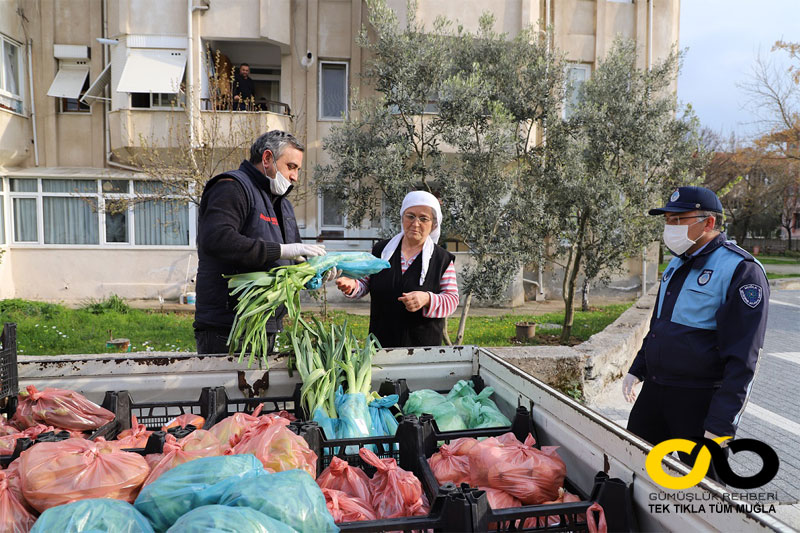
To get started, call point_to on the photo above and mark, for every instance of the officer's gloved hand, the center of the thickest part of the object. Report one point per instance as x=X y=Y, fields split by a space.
x=628 y=384
x=331 y=275
x=301 y=251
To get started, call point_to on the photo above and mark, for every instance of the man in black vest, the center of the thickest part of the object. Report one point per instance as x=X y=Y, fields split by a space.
x=246 y=224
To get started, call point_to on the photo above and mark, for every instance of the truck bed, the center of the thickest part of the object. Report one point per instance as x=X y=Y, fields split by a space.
x=588 y=441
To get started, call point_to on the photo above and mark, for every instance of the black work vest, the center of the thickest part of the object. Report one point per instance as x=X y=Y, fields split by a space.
x=271 y=219
x=388 y=318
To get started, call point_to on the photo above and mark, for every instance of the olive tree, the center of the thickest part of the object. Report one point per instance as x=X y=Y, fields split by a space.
x=619 y=153
x=456 y=114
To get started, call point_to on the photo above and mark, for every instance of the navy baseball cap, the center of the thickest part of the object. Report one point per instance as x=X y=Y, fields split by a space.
x=690 y=199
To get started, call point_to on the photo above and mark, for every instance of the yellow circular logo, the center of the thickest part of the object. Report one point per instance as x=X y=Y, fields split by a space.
x=698 y=472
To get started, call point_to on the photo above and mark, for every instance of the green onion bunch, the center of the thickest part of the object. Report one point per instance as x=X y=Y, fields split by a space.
x=329 y=356
x=260 y=295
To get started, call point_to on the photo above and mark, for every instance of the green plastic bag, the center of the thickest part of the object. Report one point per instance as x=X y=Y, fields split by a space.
x=224 y=519
x=477 y=410
x=488 y=415
x=96 y=515
x=447 y=416
x=194 y=484
x=422 y=401
x=291 y=497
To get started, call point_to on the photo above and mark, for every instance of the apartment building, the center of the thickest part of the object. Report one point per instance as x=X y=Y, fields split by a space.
x=85 y=84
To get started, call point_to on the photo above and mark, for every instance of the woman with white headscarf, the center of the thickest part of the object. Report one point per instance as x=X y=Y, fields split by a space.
x=411 y=299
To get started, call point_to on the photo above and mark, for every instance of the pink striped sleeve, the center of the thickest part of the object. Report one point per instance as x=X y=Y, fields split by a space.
x=363 y=288
x=445 y=302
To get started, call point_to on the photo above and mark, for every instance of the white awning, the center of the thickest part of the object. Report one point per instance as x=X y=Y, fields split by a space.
x=149 y=70
x=69 y=81
x=97 y=88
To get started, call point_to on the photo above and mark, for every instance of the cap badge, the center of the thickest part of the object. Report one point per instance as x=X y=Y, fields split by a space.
x=675 y=196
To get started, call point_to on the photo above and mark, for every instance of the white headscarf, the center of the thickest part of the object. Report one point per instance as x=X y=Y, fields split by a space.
x=413 y=199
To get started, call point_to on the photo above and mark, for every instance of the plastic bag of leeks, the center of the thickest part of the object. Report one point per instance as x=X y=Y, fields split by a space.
x=260 y=295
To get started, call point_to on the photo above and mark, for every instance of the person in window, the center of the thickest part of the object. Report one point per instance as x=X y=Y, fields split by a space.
x=411 y=299
x=244 y=90
x=246 y=224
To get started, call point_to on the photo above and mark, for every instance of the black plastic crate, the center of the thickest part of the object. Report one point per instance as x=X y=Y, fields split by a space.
x=451 y=511
x=154 y=415
x=612 y=494
x=9 y=381
x=271 y=404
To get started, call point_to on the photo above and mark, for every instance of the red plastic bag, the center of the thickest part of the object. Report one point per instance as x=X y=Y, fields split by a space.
x=346 y=508
x=55 y=473
x=447 y=466
x=14 y=518
x=553 y=521
x=184 y=420
x=230 y=430
x=61 y=408
x=276 y=446
x=6 y=428
x=198 y=443
x=462 y=446
x=8 y=443
x=533 y=476
x=15 y=485
x=340 y=476
x=136 y=436
x=394 y=491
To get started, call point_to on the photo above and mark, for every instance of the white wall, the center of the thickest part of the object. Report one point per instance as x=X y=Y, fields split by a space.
x=81 y=273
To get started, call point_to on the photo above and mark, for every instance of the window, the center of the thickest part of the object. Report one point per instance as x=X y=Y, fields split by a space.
x=797 y=220
x=576 y=76
x=10 y=83
x=332 y=90
x=161 y=221
x=157 y=100
x=75 y=105
x=71 y=81
x=93 y=212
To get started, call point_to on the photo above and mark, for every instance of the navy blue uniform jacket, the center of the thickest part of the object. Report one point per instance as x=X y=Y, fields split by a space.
x=708 y=328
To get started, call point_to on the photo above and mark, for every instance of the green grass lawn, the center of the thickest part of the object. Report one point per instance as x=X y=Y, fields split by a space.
x=777 y=260
x=52 y=329
x=778 y=275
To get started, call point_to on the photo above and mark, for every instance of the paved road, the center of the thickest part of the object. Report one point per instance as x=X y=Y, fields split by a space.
x=773 y=411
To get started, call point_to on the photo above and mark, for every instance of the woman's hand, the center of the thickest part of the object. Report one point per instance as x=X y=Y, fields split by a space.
x=346 y=285
x=414 y=301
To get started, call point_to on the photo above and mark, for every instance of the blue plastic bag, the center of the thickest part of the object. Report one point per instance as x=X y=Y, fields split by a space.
x=352 y=264
x=291 y=497
x=383 y=421
x=97 y=515
x=330 y=426
x=353 y=413
x=194 y=484
x=225 y=519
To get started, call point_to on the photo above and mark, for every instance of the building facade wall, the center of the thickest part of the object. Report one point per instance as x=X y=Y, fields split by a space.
x=276 y=32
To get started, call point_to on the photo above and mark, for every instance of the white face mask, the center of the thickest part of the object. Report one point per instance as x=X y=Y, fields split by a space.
x=278 y=185
x=676 y=237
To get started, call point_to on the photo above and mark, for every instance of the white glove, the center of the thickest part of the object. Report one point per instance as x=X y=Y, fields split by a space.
x=331 y=275
x=296 y=250
x=628 y=384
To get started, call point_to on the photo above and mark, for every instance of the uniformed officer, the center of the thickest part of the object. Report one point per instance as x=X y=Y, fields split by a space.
x=699 y=359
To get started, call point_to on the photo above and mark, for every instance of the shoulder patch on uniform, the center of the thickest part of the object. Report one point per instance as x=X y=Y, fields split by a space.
x=737 y=250
x=751 y=294
x=667 y=273
x=704 y=277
